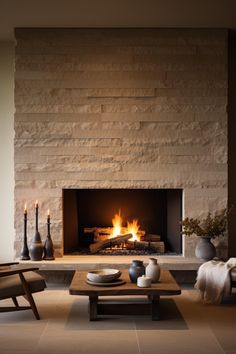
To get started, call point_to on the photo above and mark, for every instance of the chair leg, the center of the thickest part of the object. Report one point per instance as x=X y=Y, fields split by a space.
x=14 y=299
x=29 y=296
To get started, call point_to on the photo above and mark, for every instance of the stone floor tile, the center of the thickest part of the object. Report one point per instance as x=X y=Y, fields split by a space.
x=184 y=342
x=92 y=342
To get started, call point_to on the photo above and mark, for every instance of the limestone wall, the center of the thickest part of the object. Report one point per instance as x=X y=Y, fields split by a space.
x=123 y=108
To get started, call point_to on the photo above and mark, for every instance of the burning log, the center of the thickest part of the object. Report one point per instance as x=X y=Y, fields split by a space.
x=102 y=233
x=96 y=247
x=150 y=238
x=145 y=245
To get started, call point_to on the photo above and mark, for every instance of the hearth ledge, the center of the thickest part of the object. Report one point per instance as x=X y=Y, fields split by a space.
x=68 y=263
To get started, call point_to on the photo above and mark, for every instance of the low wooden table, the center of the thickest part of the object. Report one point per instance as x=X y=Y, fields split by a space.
x=166 y=286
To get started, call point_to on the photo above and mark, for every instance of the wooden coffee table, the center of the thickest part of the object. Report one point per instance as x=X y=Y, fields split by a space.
x=166 y=286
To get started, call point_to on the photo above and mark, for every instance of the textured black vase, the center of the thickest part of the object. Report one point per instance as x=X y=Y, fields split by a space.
x=48 y=246
x=36 y=247
x=136 y=270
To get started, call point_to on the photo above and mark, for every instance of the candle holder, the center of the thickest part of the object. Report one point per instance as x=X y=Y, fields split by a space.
x=36 y=248
x=25 y=250
x=48 y=245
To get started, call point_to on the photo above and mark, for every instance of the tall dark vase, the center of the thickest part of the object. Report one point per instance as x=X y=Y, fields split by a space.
x=48 y=245
x=36 y=247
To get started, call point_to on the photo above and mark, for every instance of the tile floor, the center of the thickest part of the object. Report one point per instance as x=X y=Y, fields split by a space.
x=186 y=327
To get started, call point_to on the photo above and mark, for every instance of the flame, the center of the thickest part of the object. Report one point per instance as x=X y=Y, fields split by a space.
x=117 y=225
x=132 y=228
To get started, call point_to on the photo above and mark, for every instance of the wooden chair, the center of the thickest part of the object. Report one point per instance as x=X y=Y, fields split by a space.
x=16 y=280
x=233 y=278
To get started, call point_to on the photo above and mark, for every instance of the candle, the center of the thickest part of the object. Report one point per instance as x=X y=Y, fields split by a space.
x=48 y=221
x=36 y=214
x=48 y=216
x=25 y=219
x=144 y=282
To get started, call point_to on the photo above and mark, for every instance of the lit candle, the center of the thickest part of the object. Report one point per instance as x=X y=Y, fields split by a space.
x=36 y=214
x=48 y=222
x=25 y=219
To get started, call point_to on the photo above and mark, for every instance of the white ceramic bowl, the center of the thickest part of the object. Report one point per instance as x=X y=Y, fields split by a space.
x=103 y=275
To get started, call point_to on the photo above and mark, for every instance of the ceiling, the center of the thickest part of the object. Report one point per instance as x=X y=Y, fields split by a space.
x=115 y=13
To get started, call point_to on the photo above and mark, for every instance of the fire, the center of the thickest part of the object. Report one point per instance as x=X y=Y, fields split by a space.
x=117 y=225
x=132 y=227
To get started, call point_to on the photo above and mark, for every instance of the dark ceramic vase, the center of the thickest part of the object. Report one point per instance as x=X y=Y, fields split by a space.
x=48 y=249
x=205 y=250
x=48 y=246
x=36 y=248
x=136 y=270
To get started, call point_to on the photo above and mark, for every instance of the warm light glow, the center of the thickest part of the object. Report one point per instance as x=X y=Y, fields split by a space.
x=132 y=228
x=36 y=204
x=117 y=225
x=25 y=209
x=48 y=212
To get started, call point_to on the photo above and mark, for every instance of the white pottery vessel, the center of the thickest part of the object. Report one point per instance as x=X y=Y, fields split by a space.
x=153 y=270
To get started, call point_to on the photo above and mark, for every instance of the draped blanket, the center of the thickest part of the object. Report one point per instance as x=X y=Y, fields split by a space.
x=213 y=280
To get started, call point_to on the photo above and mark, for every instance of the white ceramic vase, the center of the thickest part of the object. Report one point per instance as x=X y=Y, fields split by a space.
x=153 y=270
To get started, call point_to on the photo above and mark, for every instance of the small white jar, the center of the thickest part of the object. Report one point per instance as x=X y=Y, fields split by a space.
x=144 y=282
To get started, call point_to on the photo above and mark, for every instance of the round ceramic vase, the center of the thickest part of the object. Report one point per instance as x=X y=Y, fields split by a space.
x=153 y=270
x=205 y=250
x=136 y=270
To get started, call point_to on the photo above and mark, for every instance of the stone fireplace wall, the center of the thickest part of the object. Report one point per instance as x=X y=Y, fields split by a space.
x=119 y=108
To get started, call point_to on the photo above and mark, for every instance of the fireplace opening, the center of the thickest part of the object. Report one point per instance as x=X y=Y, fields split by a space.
x=122 y=221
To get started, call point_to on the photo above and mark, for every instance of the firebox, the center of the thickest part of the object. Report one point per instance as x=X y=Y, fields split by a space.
x=122 y=221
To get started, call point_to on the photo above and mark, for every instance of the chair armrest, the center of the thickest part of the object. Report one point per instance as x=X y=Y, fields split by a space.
x=233 y=276
x=16 y=270
x=8 y=264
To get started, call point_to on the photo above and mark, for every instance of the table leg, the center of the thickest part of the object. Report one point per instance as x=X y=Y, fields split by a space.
x=155 y=306
x=93 y=301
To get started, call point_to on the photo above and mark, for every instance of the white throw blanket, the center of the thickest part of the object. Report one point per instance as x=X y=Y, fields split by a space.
x=213 y=280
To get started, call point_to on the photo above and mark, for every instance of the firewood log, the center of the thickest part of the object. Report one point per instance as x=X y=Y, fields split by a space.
x=97 y=246
x=145 y=245
x=150 y=238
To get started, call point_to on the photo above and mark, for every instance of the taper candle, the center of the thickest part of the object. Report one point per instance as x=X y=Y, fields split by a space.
x=48 y=221
x=25 y=222
x=36 y=214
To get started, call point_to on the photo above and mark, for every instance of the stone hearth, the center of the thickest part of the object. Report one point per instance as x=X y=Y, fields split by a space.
x=119 y=108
